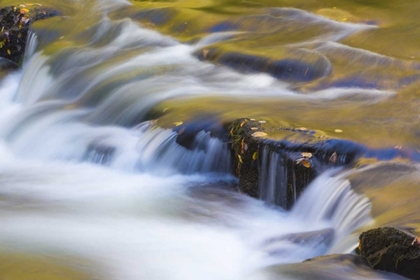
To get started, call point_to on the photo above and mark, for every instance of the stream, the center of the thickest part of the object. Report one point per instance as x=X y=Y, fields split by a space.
x=94 y=183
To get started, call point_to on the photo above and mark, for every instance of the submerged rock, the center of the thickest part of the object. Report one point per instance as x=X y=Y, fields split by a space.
x=293 y=66
x=313 y=239
x=391 y=249
x=330 y=267
x=99 y=153
x=14 y=28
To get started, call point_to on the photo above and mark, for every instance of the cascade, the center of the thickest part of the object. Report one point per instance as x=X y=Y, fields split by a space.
x=89 y=180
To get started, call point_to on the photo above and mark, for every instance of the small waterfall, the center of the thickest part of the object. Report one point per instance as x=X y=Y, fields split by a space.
x=88 y=180
x=273 y=179
x=62 y=135
x=158 y=150
x=330 y=199
x=31 y=44
x=322 y=221
x=278 y=182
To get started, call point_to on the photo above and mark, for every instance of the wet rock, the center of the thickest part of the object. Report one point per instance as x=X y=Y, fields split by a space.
x=319 y=238
x=391 y=249
x=6 y=66
x=99 y=153
x=244 y=62
x=14 y=27
x=245 y=154
x=278 y=171
x=188 y=131
x=296 y=66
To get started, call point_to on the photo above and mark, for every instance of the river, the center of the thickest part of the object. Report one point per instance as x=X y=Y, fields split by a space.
x=93 y=184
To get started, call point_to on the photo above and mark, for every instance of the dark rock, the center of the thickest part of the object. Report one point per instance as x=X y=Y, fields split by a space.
x=391 y=249
x=6 y=64
x=245 y=153
x=244 y=62
x=299 y=67
x=278 y=171
x=99 y=153
x=188 y=131
x=14 y=27
x=299 y=71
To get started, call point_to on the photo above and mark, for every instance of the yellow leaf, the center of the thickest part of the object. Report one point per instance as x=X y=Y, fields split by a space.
x=242 y=123
x=259 y=134
x=255 y=156
x=306 y=163
x=240 y=159
x=9 y=52
x=307 y=155
x=178 y=123
x=338 y=131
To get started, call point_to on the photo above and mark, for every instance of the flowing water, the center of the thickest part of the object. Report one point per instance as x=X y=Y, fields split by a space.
x=95 y=184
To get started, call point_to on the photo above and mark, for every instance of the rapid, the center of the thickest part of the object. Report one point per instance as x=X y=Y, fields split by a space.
x=94 y=184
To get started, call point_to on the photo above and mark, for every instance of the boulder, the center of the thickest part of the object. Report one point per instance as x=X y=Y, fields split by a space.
x=391 y=249
x=14 y=28
x=278 y=171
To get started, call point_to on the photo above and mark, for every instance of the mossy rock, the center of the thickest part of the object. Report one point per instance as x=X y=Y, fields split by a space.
x=15 y=22
x=391 y=249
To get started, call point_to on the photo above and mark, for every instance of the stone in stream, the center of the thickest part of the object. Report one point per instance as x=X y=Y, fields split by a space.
x=298 y=67
x=278 y=171
x=391 y=249
x=14 y=28
x=99 y=153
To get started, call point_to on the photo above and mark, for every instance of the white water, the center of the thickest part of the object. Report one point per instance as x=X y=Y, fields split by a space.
x=153 y=209
x=134 y=223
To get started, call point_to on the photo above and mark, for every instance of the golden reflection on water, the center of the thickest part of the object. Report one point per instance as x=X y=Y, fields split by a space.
x=35 y=267
x=393 y=189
